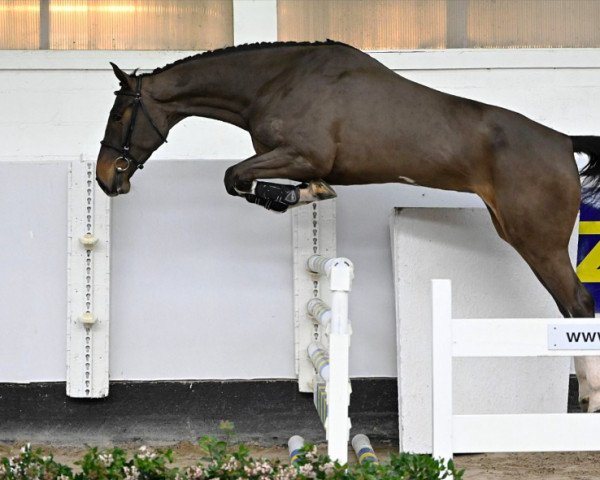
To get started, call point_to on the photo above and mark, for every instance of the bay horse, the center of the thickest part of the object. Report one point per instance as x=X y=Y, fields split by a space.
x=326 y=113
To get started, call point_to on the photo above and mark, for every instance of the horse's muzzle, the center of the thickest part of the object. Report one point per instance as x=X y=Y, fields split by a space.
x=111 y=192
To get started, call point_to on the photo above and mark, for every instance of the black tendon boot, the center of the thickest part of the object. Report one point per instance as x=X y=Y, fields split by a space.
x=275 y=196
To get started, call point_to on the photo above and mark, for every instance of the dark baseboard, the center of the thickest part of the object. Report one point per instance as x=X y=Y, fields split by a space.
x=263 y=412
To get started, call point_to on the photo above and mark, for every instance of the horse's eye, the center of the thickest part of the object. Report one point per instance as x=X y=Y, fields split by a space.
x=117 y=117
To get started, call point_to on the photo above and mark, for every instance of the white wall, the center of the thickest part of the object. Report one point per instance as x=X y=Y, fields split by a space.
x=33 y=274
x=201 y=284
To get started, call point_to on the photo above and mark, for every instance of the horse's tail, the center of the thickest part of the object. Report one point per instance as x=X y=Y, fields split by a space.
x=591 y=172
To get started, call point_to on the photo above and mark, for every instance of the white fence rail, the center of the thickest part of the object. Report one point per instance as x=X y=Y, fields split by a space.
x=524 y=337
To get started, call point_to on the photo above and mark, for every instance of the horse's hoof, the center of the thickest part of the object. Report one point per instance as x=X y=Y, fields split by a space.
x=593 y=406
x=245 y=188
x=316 y=190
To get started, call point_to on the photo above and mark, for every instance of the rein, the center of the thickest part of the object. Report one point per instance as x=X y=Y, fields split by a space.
x=124 y=149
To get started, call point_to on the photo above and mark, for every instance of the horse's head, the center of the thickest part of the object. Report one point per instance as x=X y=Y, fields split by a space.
x=135 y=129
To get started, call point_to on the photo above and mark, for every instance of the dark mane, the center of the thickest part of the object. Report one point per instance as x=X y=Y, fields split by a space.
x=241 y=48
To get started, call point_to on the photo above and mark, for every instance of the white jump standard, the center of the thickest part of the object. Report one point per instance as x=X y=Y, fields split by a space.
x=322 y=283
x=330 y=357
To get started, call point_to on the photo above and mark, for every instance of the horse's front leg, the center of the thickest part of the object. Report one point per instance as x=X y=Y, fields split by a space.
x=242 y=180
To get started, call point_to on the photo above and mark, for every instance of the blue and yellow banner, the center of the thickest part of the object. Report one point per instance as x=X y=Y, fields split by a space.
x=588 y=250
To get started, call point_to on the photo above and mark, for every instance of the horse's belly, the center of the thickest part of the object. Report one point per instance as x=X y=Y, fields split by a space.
x=406 y=164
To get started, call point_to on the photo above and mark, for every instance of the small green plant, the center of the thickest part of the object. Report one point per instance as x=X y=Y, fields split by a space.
x=404 y=466
x=113 y=464
x=220 y=462
x=33 y=464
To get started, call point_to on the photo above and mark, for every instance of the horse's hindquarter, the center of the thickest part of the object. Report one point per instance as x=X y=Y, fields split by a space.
x=394 y=130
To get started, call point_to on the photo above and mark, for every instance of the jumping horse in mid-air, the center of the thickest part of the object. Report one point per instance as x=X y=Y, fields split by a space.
x=327 y=113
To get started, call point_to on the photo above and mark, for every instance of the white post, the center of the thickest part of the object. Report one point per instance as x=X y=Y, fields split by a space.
x=338 y=398
x=442 y=369
x=341 y=273
x=88 y=284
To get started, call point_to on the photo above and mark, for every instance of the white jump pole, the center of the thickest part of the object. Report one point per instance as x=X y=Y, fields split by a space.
x=320 y=311
x=363 y=449
x=319 y=356
x=295 y=443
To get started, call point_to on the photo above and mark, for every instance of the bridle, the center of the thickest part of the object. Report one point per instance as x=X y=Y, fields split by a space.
x=124 y=149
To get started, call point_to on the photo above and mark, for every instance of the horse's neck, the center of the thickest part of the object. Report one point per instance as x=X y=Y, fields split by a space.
x=221 y=87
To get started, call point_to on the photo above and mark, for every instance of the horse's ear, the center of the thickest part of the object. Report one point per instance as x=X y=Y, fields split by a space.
x=121 y=75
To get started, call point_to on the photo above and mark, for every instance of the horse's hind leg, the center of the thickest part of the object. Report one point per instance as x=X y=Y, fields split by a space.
x=555 y=272
x=588 y=378
x=538 y=222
